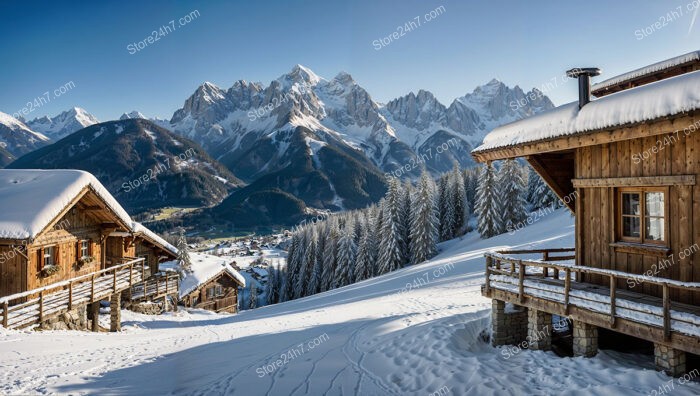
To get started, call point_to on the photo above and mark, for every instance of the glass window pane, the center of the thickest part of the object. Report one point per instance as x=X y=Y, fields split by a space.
x=654 y=228
x=654 y=204
x=630 y=204
x=630 y=227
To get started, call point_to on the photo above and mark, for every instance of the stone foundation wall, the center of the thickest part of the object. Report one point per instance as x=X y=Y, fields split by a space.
x=585 y=339
x=147 y=308
x=508 y=323
x=539 y=330
x=75 y=319
x=669 y=360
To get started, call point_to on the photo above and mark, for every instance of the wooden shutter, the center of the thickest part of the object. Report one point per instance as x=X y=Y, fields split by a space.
x=89 y=241
x=39 y=259
x=57 y=254
x=77 y=251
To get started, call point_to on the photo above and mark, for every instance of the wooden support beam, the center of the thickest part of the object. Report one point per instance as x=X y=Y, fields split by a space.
x=678 y=180
x=613 y=284
x=489 y=261
x=667 y=313
x=521 y=280
x=567 y=289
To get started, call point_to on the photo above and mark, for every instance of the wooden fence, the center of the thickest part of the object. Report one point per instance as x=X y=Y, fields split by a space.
x=34 y=306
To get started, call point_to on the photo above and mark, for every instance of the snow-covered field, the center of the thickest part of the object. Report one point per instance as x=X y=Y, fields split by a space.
x=377 y=337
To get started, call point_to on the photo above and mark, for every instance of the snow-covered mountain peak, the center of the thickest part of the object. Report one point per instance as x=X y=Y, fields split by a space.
x=132 y=115
x=301 y=73
x=63 y=124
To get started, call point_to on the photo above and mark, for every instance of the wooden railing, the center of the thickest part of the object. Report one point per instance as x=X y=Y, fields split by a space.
x=218 y=305
x=155 y=287
x=57 y=298
x=502 y=263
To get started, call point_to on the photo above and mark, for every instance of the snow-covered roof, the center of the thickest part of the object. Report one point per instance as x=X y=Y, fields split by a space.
x=648 y=102
x=204 y=268
x=32 y=198
x=137 y=227
x=648 y=70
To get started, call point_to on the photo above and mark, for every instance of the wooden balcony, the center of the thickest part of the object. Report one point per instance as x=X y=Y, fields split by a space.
x=34 y=306
x=550 y=284
x=155 y=287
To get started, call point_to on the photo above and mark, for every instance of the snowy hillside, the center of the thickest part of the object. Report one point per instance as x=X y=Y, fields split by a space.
x=377 y=337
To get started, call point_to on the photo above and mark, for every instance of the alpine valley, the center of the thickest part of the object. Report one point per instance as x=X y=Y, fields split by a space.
x=273 y=154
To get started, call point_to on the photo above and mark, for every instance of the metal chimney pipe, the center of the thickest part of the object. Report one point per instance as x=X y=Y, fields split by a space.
x=584 y=82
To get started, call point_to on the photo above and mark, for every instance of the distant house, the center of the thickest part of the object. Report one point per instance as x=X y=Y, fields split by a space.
x=65 y=242
x=628 y=165
x=212 y=285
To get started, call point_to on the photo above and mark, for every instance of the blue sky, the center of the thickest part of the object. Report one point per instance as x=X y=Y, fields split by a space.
x=48 y=44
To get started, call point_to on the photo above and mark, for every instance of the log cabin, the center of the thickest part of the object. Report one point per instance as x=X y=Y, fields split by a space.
x=212 y=283
x=66 y=243
x=627 y=164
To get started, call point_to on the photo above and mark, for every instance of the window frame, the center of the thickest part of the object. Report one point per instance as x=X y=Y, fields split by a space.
x=86 y=248
x=642 y=191
x=53 y=255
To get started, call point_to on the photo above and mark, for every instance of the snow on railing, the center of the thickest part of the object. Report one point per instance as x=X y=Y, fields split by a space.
x=500 y=278
x=79 y=290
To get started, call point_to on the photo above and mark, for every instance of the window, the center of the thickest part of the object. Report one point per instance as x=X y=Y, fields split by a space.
x=643 y=215
x=49 y=256
x=84 y=249
x=219 y=290
x=210 y=293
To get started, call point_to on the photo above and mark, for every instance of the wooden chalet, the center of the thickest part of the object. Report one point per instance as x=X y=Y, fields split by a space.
x=212 y=285
x=627 y=164
x=66 y=244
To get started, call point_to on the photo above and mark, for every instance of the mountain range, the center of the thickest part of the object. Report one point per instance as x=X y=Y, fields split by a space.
x=143 y=165
x=300 y=144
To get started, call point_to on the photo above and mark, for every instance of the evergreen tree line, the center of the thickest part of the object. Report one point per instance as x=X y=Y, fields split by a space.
x=506 y=195
x=405 y=227
x=402 y=229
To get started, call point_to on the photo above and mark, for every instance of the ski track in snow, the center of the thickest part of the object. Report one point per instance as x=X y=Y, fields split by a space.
x=379 y=342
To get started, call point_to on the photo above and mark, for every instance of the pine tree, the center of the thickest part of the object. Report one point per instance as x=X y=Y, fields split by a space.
x=424 y=222
x=346 y=257
x=279 y=283
x=183 y=253
x=405 y=219
x=253 y=296
x=459 y=199
x=442 y=203
x=315 y=277
x=329 y=256
x=270 y=285
x=448 y=225
x=512 y=190
x=539 y=195
x=487 y=203
x=363 y=263
x=391 y=247
x=306 y=265
x=292 y=267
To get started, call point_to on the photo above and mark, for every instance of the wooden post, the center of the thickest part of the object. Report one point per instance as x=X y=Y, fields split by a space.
x=567 y=288
x=41 y=306
x=143 y=272
x=667 y=313
x=612 y=301
x=92 y=289
x=114 y=283
x=487 y=286
x=5 y=308
x=131 y=274
x=556 y=273
x=166 y=285
x=70 y=295
x=145 y=288
x=521 y=280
